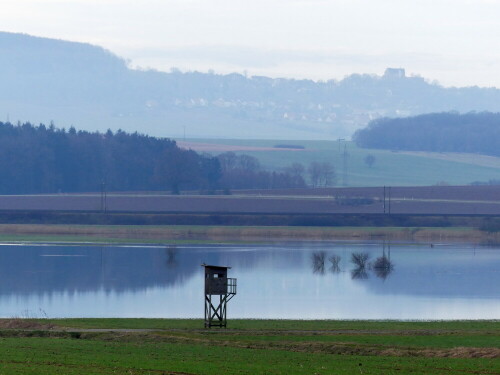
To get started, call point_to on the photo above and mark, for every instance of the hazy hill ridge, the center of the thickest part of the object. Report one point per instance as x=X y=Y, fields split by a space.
x=89 y=87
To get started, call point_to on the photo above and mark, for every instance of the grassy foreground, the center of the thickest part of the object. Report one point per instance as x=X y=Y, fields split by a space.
x=162 y=346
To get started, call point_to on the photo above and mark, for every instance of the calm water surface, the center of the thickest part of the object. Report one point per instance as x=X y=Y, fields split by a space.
x=399 y=281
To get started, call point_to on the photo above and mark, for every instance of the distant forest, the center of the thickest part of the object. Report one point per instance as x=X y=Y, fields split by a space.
x=45 y=159
x=439 y=132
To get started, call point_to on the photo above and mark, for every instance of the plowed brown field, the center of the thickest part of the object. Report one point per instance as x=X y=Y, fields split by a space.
x=435 y=200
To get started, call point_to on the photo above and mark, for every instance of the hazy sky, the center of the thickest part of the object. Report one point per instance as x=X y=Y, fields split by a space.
x=453 y=41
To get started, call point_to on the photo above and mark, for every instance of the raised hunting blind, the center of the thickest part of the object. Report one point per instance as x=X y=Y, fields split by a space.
x=219 y=289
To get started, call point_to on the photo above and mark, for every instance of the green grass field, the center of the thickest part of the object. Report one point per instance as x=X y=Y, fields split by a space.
x=390 y=168
x=280 y=324
x=68 y=346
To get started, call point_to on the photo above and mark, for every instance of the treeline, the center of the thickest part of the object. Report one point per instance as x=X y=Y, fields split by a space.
x=489 y=182
x=45 y=159
x=440 y=132
x=245 y=172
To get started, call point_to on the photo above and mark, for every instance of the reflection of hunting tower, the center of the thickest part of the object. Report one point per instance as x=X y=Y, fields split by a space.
x=219 y=289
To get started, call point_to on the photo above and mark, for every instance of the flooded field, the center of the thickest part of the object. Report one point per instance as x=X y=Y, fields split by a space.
x=335 y=280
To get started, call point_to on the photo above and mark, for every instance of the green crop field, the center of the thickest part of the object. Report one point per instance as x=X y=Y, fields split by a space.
x=390 y=168
x=163 y=346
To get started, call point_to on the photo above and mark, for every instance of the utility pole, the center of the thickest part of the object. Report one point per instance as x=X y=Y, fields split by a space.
x=389 y=199
x=339 y=140
x=103 y=197
x=344 y=166
x=384 y=200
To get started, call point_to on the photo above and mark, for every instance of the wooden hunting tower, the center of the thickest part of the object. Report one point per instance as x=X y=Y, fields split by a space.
x=219 y=289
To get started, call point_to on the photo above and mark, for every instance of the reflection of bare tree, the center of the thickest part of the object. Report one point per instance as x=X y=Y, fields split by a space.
x=335 y=260
x=318 y=262
x=360 y=260
x=359 y=273
x=383 y=267
x=171 y=256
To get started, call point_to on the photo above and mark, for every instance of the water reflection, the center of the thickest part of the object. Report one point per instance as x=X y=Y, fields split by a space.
x=171 y=253
x=300 y=280
x=359 y=273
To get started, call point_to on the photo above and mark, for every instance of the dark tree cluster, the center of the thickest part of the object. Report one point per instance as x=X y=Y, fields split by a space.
x=245 y=172
x=489 y=182
x=41 y=159
x=322 y=174
x=440 y=132
x=45 y=159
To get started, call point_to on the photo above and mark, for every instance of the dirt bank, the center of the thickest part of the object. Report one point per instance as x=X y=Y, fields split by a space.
x=244 y=233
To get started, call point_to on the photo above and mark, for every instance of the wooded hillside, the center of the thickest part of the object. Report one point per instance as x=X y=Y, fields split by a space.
x=45 y=159
x=439 y=132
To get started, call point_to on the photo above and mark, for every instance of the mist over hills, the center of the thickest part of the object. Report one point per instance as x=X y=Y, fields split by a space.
x=89 y=87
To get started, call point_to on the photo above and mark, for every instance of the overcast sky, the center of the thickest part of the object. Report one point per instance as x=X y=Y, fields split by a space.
x=455 y=42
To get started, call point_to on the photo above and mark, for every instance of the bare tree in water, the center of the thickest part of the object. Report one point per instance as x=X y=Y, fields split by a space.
x=383 y=265
x=360 y=261
x=335 y=261
x=318 y=262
